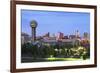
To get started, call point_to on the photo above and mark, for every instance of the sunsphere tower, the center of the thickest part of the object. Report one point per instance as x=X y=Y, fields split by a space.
x=33 y=25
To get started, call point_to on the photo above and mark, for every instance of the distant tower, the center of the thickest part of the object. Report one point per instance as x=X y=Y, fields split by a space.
x=47 y=34
x=86 y=35
x=33 y=25
x=77 y=34
x=60 y=36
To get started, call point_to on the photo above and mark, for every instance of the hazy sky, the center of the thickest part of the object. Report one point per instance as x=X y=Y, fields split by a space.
x=53 y=22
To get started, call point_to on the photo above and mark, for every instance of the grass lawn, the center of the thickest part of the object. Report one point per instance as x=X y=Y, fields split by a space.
x=63 y=59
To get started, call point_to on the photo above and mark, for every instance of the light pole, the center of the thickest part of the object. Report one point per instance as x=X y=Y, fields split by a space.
x=33 y=25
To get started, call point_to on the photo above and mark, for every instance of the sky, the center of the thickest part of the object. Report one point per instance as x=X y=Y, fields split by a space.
x=54 y=22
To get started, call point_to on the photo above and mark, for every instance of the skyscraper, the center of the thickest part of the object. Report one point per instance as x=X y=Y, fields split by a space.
x=86 y=35
x=77 y=34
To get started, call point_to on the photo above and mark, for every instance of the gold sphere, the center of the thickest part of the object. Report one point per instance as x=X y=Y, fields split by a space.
x=33 y=24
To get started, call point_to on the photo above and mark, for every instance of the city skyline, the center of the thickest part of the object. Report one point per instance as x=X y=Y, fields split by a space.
x=48 y=21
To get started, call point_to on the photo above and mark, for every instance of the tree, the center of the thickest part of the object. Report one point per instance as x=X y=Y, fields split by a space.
x=26 y=49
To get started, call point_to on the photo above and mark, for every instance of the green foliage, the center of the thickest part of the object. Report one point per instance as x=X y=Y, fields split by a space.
x=26 y=48
x=47 y=50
